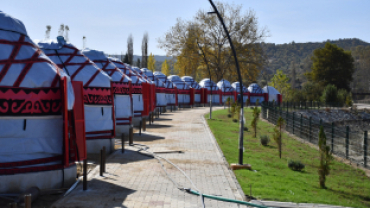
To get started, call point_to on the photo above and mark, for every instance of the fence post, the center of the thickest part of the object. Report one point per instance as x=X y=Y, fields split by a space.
x=332 y=136
x=310 y=129
x=347 y=141
x=365 y=149
x=293 y=121
x=300 y=128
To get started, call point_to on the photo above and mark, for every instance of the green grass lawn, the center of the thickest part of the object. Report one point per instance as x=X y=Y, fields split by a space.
x=273 y=180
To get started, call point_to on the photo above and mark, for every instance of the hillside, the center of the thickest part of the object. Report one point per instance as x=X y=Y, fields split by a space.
x=298 y=55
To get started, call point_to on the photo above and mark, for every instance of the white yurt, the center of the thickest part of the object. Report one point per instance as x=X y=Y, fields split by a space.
x=226 y=89
x=121 y=86
x=136 y=92
x=97 y=91
x=193 y=84
x=150 y=91
x=36 y=99
x=255 y=93
x=211 y=90
x=273 y=94
x=171 y=94
x=183 y=90
x=160 y=88
x=236 y=87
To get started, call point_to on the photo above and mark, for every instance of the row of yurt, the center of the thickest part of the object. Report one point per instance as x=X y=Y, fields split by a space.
x=171 y=89
x=185 y=95
x=41 y=115
x=211 y=91
x=198 y=91
x=160 y=88
x=122 y=104
x=148 y=92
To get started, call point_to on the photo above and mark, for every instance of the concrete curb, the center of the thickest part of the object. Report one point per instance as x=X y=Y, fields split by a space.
x=239 y=188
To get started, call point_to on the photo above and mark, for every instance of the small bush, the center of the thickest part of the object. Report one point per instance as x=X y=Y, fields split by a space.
x=296 y=165
x=245 y=128
x=265 y=140
x=229 y=115
x=235 y=120
x=330 y=94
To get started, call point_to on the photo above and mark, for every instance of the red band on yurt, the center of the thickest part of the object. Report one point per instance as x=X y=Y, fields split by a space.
x=97 y=96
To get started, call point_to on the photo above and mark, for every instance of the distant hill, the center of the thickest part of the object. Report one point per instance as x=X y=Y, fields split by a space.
x=283 y=56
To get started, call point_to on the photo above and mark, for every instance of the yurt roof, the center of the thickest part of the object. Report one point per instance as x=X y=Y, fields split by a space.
x=191 y=82
x=32 y=68
x=100 y=59
x=254 y=88
x=225 y=86
x=207 y=83
x=163 y=78
x=148 y=74
x=271 y=90
x=141 y=74
x=180 y=84
x=135 y=79
x=75 y=64
x=236 y=87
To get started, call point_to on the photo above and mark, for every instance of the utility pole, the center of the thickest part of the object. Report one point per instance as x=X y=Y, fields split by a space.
x=240 y=81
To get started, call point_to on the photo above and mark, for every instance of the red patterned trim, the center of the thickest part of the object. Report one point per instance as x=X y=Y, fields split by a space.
x=137 y=89
x=30 y=169
x=160 y=90
x=121 y=88
x=183 y=91
x=227 y=93
x=31 y=162
x=30 y=101
x=97 y=96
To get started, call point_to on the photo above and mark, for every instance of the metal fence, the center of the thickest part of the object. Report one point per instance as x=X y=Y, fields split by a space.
x=352 y=145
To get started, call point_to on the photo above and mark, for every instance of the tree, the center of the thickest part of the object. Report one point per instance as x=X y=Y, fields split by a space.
x=332 y=65
x=144 y=50
x=151 y=62
x=130 y=49
x=277 y=133
x=138 y=64
x=292 y=68
x=125 y=60
x=325 y=158
x=256 y=116
x=202 y=46
x=165 y=68
x=280 y=81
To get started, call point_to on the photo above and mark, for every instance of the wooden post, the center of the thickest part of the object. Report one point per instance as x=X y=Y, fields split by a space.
x=104 y=159
x=101 y=162
x=347 y=142
x=84 y=175
x=141 y=124
x=123 y=142
x=27 y=201
x=365 y=149
x=131 y=137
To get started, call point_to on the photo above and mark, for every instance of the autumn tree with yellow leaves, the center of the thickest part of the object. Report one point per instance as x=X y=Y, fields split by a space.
x=151 y=62
x=165 y=68
x=202 y=48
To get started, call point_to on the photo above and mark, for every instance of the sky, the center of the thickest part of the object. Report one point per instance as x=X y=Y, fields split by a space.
x=108 y=23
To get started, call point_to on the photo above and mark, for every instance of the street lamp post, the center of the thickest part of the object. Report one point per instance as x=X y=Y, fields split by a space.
x=240 y=81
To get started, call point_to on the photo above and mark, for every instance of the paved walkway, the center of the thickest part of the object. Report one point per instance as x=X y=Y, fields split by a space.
x=135 y=180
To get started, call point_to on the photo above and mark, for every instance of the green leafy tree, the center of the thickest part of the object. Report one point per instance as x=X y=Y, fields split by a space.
x=256 y=116
x=332 y=65
x=330 y=94
x=326 y=158
x=277 y=133
x=280 y=81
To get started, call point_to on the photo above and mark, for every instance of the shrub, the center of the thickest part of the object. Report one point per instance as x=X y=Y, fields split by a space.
x=256 y=115
x=277 y=133
x=326 y=158
x=245 y=128
x=349 y=100
x=330 y=94
x=229 y=115
x=296 y=165
x=265 y=140
x=235 y=120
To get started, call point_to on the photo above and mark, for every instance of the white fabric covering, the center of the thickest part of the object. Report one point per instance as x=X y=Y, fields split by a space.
x=42 y=138
x=208 y=84
x=236 y=87
x=138 y=102
x=272 y=92
x=193 y=84
x=96 y=120
x=125 y=103
x=43 y=135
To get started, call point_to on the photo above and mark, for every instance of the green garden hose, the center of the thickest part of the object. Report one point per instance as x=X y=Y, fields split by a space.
x=225 y=199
